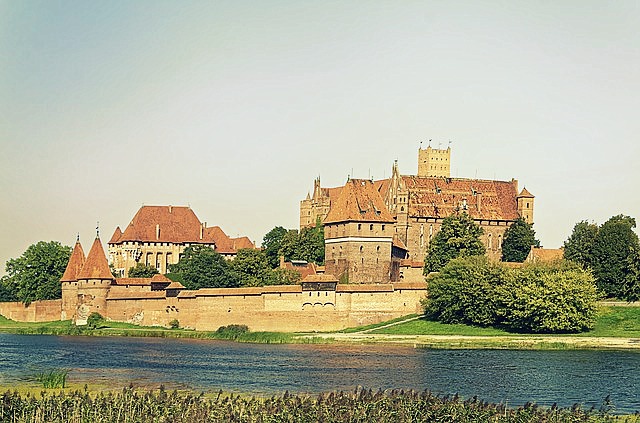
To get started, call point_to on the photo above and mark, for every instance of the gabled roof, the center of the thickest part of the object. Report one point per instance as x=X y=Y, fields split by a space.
x=160 y=278
x=76 y=261
x=226 y=245
x=96 y=266
x=117 y=234
x=359 y=201
x=174 y=224
x=442 y=197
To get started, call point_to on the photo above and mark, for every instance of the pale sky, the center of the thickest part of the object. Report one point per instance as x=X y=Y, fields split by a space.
x=235 y=107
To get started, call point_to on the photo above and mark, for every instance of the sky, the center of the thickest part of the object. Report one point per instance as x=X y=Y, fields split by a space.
x=234 y=107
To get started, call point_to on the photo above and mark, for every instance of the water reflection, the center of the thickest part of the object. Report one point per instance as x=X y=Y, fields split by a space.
x=565 y=377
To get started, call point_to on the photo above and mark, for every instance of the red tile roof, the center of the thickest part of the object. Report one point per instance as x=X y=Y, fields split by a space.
x=320 y=278
x=76 y=261
x=441 y=197
x=133 y=281
x=96 y=266
x=304 y=270
x=174 y=224
x=160 y=278
x=359 y=201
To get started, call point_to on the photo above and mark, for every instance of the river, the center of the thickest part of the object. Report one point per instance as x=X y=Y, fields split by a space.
x=514 y=377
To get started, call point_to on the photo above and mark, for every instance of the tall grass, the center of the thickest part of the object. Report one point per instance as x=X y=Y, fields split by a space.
x=53 y=379
x=361 y=405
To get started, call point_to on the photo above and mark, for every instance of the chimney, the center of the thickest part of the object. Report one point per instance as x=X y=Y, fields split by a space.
x=170 y=208
x=158 y=231
x=479 y=200
x=201 y=230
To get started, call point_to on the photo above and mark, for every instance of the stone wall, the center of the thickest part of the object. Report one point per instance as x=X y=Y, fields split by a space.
x=273 y=308
x=37 y=311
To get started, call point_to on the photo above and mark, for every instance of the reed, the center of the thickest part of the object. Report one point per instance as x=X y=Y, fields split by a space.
x=360 y=405
x=53 y=379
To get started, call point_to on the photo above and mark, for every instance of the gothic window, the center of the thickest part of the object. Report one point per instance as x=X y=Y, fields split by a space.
x=490 y=242
x=421 y=236
x=430 y=232
x=359 y=226
x=500 y=242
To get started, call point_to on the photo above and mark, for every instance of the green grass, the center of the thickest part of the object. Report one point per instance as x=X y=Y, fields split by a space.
x=53 y=379
x=376 y=325
x=620 y=322
x=423 y=326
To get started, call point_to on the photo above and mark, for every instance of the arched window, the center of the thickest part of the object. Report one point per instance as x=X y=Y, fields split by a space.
x=489 y=242
x=371 y=227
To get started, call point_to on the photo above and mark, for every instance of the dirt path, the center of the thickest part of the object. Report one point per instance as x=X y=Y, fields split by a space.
x=495 y=342
x=390 y=324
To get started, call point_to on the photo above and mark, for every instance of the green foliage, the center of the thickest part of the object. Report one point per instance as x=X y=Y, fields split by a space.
x=285 y=277
x=613 y=259
x=174 y=324
x=518 y=240
x=540 y=298
x=612 y=252
x=578 y=246
x=459 y=236
x=271 y=244
x=95 y=320
x=201 y=267
x=6 y=293
x=465 y=291
x=549 y=298
x=36 y=274
x=252 y=267
x=142 y=271
x=53 y=379
x=232 y=331
x=306 y=245
x=360 y=405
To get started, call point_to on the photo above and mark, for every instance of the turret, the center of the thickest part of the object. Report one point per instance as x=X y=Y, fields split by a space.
x=69 y=281
x=94 y=282
x=525 y=205
x=434 y=162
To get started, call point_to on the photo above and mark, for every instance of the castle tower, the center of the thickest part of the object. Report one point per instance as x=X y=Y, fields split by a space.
x=525 y=205
x=69 y=281
x=94 y=282
x=434 y=162
x=358 y=235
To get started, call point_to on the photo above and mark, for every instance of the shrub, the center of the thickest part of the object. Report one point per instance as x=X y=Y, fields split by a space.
x=232 y=331
x=95 y=320
x=465 y=292
x=174 y=324
x=551 y=298
x=539 y=298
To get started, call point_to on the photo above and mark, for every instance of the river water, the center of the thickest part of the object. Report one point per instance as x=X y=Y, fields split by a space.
x=514 y=377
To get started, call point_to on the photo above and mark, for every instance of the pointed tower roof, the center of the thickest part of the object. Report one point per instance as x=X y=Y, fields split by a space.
x=96 y=265
x=117 y=234
x=525 y=193
x=76 y=261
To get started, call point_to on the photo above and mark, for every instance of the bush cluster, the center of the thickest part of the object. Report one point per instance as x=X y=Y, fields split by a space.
x=536 y=298
x=232 y=331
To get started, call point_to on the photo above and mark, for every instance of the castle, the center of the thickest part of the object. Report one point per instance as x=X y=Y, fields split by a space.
x=380 y=231
x=158 y=235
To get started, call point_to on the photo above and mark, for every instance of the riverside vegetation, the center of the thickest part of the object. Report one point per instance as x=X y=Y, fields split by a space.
x=361 y=405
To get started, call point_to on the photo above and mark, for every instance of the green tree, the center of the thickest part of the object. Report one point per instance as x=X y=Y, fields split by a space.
x=285 y=277
x=459 y=236
x=6 y=293
x=36 y=274
x=518 y=240
x=142 y=271
x=613 y=253
x=252 y=267
x=311 y=244
x=201 y=267
x=578 y=247
x=271 y=244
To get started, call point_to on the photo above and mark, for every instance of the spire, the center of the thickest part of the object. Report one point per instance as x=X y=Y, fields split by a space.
x=96 y=265
x=525 y=193
x=76 y=261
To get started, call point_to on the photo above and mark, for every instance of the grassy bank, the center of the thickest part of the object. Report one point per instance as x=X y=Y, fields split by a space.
x=130 y=405
x=617 y=322
x=127 y=329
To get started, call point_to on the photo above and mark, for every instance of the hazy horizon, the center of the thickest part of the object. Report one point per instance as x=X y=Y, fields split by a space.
x=233 y=108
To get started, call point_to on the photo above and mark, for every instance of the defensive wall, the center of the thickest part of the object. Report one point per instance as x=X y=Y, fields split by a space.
x=37 y=311
x=286 y=308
